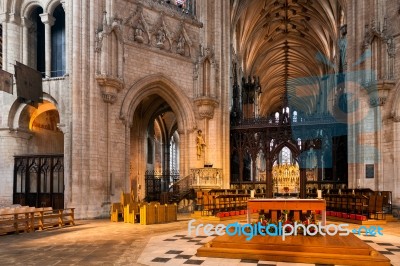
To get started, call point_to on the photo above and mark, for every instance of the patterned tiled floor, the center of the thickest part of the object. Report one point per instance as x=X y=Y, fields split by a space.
x=179 y=249
x=100 y=242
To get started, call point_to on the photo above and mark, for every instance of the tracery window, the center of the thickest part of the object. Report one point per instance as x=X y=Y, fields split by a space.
x=285 y=156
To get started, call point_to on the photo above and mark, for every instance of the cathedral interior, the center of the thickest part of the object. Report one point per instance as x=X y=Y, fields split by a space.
x=199 y=104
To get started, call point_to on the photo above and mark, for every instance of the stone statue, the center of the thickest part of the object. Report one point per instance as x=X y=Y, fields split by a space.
x=199 y=143
x=180 y=47
x=139 y=32
x=160 y=38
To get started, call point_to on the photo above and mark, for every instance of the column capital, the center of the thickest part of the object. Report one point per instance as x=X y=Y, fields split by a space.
x=47 y=19
x=25 y=22
x=4 y=17
x=63 y=4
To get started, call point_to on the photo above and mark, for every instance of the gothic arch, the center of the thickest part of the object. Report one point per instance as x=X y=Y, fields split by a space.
x=160 y=85
x=292 y=147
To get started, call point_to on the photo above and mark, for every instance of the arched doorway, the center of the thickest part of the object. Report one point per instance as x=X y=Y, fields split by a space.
x=158 y=125
x=160 y=120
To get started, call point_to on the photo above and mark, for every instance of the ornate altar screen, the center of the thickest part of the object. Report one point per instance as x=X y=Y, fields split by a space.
x=286 y=178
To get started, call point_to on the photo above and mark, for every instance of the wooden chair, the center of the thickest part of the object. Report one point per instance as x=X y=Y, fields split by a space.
x=115 y=211
x=379 y=211
x=131 y=212
x=371 y=206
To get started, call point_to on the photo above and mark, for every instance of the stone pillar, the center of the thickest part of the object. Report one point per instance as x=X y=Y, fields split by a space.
x=48 y=21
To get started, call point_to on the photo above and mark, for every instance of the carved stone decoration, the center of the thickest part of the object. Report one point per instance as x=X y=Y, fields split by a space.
x=183 y=42
x=109 y=87
x=162 y=35
x=379 y=92
x=138 y=27
x=206 y=74
x=109 y=48
x=206 y=106
x=180 y=46
x=375 y=36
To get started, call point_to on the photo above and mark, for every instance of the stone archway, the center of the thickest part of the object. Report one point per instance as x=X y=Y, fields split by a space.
x=160 y=85
x=156 y=112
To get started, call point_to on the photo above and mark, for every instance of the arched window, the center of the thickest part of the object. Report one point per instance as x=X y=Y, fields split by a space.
x=299 y=143
x=58 y=43
x=276 y=117
x=37 y=42
x=294 y=116
x=285 y=156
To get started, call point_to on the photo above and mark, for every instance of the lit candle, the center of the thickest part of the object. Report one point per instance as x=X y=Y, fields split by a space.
x=252 y=193
x=319 y=192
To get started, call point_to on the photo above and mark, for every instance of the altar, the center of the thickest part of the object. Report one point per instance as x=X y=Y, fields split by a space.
x=313 y=249
x=298 y=206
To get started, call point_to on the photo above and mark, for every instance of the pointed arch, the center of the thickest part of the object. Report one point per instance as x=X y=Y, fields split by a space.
x=158 y=84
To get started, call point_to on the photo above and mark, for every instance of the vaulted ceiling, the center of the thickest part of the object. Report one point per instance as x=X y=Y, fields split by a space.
x=287 y=43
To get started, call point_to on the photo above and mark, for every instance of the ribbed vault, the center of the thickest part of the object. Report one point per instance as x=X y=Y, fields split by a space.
x=287 y=43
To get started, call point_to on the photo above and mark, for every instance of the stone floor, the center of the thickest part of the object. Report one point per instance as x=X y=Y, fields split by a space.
x=100 y=242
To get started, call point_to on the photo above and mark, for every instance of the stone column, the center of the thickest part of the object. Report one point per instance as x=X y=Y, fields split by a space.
x=48 y=21
x=26 y=23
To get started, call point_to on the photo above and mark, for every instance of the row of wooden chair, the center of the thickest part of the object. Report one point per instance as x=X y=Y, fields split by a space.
x=212 y=204
x=372 y=205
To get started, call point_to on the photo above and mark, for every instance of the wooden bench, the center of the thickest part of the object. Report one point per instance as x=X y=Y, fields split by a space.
x=28 y=219
x=47 y=217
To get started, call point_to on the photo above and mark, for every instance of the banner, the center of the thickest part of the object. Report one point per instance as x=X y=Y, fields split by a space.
x=29 y=84
x=6 y=81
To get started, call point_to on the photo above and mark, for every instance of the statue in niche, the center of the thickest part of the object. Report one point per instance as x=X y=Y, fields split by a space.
x=139 y=32
x=200 y=144
x=160 y=38
x=180 y=47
